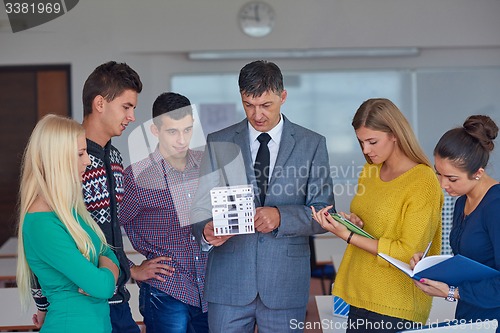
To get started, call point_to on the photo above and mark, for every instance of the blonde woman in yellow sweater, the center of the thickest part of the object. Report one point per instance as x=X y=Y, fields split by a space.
x=399 y=202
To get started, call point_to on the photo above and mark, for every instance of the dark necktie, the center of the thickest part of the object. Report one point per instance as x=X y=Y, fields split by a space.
x=261 y=166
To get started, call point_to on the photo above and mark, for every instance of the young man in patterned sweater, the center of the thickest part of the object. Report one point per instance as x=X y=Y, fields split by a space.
x=109 y=101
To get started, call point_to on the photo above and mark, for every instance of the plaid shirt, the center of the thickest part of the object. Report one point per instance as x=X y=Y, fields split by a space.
x=155 y=214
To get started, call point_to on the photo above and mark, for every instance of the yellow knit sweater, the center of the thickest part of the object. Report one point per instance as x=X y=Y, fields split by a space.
x=404 y=214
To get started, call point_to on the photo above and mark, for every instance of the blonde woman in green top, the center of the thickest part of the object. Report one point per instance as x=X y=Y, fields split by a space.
x=398 y=202
x=59 y=243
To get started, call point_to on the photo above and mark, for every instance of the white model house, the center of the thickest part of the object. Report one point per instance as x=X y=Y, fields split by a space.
x=233 y=210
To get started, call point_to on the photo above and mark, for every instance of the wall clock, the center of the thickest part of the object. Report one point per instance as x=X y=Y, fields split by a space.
x=256 y=18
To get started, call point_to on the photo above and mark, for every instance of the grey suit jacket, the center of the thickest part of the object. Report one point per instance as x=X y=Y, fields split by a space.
x=274 y=265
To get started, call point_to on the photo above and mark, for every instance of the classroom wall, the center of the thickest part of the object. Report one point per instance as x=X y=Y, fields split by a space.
x=154 y=38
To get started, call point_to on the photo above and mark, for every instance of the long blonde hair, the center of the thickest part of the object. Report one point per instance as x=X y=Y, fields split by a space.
x=380 y=114
x=49 y=170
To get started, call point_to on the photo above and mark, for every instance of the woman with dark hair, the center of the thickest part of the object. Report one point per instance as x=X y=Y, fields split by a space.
x=461 y=157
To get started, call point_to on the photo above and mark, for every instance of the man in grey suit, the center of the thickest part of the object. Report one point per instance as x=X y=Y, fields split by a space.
x=262 y=278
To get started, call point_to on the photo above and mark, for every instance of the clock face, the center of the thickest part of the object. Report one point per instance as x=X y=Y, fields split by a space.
x=256 y=19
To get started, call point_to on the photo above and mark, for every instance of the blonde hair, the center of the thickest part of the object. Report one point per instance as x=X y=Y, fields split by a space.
x=380 y=114
x=49 y=170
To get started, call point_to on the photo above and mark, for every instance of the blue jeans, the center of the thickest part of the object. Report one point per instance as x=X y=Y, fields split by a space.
x=121 y=319
x=165 y=314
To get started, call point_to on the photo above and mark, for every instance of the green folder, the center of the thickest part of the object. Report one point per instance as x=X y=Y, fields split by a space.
x=351 y=226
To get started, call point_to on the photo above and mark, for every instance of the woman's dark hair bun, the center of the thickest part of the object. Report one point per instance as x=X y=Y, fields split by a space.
x=483 y=128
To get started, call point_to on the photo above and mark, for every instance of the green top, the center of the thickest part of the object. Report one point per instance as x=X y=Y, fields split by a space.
x=61 y=269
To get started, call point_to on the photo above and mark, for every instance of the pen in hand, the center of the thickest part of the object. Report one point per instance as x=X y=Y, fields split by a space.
x=426 y=250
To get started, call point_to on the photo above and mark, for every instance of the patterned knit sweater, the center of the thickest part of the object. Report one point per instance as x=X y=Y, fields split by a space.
x=404 y=214
x=102 y=193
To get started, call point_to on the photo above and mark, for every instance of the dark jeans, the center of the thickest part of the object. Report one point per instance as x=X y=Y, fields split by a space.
x=121 y=319
x=165 y=314
x=362 y=320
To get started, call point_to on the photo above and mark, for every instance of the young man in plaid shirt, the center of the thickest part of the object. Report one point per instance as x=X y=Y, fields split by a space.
x=155 y=215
